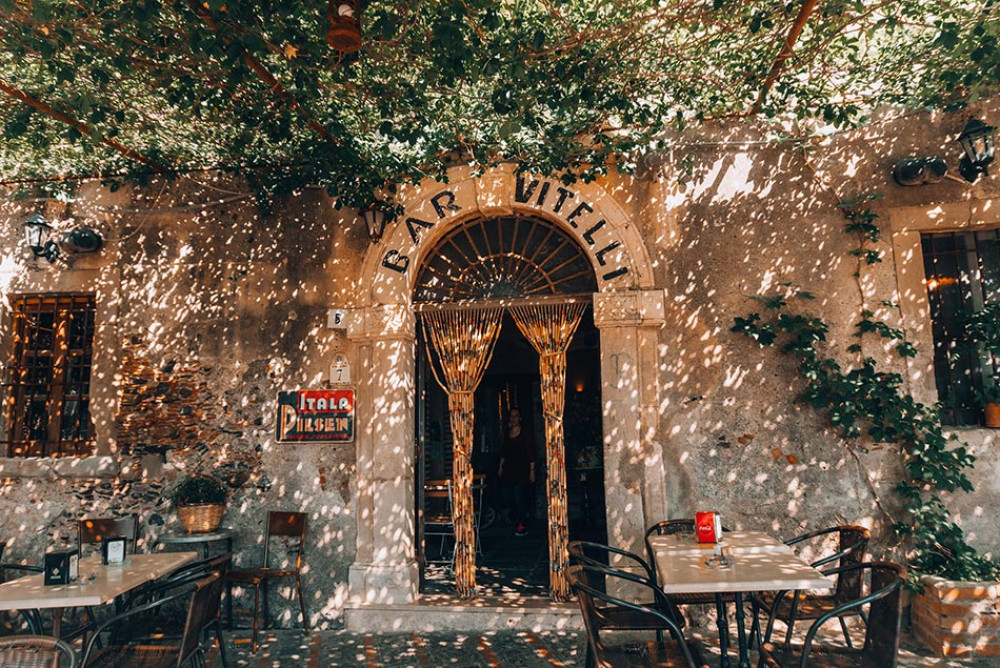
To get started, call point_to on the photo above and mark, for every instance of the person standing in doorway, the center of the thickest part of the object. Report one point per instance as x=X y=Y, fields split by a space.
x=517 y=471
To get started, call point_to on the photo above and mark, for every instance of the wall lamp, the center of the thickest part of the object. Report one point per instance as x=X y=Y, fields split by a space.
x=977 y=142
x=38 y=235
x=376 y=219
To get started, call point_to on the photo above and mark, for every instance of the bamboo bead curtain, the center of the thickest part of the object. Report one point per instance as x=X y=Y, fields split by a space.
x=463 y=341
x=549 y=329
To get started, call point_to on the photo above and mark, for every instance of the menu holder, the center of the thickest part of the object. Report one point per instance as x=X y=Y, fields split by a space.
x=61 y=566
x=113 y=550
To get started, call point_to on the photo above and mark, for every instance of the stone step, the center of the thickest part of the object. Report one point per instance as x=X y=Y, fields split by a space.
x=486 y=613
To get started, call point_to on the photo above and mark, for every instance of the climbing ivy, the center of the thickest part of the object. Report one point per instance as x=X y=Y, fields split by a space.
x=867 y=404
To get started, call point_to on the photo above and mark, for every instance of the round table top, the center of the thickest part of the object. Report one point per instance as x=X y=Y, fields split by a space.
x=182 y=537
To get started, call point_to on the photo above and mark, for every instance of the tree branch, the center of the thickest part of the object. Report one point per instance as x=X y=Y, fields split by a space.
x=80 y=126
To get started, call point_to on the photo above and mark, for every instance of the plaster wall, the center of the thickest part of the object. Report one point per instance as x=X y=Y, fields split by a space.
x=208 y=307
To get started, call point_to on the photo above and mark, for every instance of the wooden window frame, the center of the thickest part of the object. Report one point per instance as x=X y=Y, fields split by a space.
x=963 y=255
x=56 y=388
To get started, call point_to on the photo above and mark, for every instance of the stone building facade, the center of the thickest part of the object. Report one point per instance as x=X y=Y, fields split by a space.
x=206 y=308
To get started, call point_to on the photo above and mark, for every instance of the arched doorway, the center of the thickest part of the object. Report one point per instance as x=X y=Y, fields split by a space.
x=513 y=262
x=628 y=312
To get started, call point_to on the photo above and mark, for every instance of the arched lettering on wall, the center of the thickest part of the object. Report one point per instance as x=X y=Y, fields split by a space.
x=547 y=195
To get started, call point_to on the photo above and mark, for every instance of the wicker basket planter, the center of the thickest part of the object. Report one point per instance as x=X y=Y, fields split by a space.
x=201 y=517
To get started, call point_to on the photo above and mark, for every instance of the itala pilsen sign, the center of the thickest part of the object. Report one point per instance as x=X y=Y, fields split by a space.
x=320 y=416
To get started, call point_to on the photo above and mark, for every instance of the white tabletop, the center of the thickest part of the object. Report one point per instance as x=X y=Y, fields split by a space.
x=761 y=563
x=110 y=581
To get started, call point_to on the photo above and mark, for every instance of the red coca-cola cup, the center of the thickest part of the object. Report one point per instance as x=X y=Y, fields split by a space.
x=708 y=527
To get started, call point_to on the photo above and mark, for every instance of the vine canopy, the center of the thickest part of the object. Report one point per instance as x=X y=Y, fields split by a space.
x=103 y=88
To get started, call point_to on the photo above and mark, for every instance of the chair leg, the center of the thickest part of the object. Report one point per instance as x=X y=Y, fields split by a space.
x=222 y=643
x=755 y=625
x=847 y=636
x=256 y=623
x=302 y=603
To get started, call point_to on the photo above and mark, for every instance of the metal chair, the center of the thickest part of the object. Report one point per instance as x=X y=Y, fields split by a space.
x=596 y=558
x=881 y=646
x=93 y=531
x=159 y=626
x=599 y=609
x=279 y=525
x=851 y=548
x=200 y=598
x=33 y=617
x=35 y=652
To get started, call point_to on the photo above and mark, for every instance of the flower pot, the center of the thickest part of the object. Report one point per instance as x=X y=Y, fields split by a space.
x=200 y=518
x=991 y=413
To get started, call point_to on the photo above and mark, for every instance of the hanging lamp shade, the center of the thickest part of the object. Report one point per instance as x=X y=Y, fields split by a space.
x=345 y=25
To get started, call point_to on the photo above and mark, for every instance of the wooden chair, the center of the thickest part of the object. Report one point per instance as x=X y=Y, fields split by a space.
x=279 y=525
x=93 y=531
x=438 y=518
x=438 y=521
x=851 y=549
x=200 y=598
x=599 y=608
x=35 y=652
x=881 y=646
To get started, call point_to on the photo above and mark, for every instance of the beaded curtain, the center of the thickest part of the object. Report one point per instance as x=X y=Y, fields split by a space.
x=549 y=329
x=463 y=341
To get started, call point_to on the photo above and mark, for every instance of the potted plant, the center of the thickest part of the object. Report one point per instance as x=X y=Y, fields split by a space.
x=989 y=399
x=200 y=501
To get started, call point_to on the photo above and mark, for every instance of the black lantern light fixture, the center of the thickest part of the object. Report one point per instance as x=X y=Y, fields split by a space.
x=38 y=235
x=376 y=219
x=977 y=142
x=345 y=25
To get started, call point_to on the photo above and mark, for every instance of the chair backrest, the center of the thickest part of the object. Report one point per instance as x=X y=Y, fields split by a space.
x=595 y=605
x=882 y=633
x=605 y=556
x=202 y=610
x=881 y=646
x=35 y=652
x=285 y=524
x=97 y=529
x=852 y=546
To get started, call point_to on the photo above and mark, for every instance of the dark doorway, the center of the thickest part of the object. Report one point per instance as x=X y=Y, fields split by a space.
x=510 y=564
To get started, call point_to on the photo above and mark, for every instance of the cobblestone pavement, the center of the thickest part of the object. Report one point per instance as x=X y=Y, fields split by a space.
x=540 y=649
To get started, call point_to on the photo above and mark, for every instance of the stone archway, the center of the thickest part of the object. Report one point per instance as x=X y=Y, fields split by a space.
x=627 y=310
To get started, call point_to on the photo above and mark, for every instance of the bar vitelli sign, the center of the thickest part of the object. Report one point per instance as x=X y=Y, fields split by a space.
x=547 y=195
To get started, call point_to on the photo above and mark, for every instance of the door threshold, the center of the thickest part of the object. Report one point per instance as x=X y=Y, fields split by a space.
x=438 y=612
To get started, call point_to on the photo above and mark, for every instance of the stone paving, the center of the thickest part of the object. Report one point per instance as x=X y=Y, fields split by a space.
x=521 y=649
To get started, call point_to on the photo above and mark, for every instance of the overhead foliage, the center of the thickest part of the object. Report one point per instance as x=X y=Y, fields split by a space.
x=152 y=85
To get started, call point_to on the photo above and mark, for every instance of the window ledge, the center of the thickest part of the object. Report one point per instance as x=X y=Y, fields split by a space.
x=59 y=467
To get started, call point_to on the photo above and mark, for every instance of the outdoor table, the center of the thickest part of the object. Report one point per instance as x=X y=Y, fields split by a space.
x=760 y=563
x=109 y=582
x=222 y=534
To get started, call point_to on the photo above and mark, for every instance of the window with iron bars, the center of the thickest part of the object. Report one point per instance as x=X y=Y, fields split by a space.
x=48 y=376
x=962 y=271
